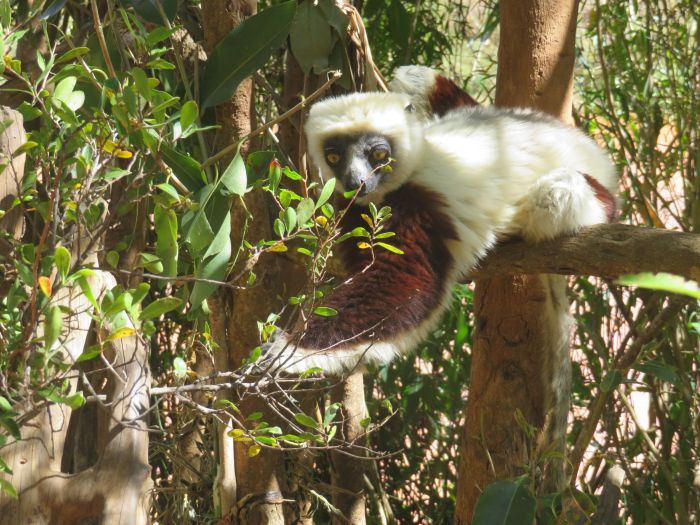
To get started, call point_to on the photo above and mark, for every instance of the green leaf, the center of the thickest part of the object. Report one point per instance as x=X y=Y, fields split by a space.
x=305 y=420
x=305 y=211
x=11 y=426
x=330 y=413
x=64 y=89
x=225 y=403
x=255 y=416
x=188 y=114
x=5 y=405
x=28 y=111
x=159 y=307
x=8 y=488
x=235 y=178
x=389 y=247
x=89 y=353
x=326 y=193
x=179 y=368
x=73 y=53
x=61 y=258
x=266 y=440
x=139 y=293
x=659 y=370
x=4 y=467
x=245 y=50
x=505 y=502
x=662 y=281
x=159 y=34
x=187 y=169
x=87 y=291
x=325 y=311
x=52 y=326
x=75 y=401
x=311 y=38
x=290 y=219
x=165 y=221
x=213 y=267
x=148 y=9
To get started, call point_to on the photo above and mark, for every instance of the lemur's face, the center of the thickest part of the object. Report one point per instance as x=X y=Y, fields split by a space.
x=360 y=162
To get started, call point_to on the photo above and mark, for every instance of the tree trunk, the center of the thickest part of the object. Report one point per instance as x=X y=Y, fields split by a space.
x=260 y=480
x=348 y=470
x=520 y=357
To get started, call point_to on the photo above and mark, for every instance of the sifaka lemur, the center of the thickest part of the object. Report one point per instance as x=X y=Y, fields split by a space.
x=457 y=178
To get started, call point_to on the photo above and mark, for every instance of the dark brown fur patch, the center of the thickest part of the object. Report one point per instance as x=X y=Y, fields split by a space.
x=395 y=293
x=447 y=95
x=604 y=196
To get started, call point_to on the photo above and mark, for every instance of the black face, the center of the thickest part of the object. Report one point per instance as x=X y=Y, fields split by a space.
x=359 y=160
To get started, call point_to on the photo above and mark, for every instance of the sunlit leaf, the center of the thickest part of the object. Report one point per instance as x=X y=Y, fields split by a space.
x=325 y=311
x=662 y=281
x=61 y=257
x=234 y=177
x=159 y=307
x=53 y=325
x=121 y=333
x=45 y=285
x=179 y=368
x=305 y=420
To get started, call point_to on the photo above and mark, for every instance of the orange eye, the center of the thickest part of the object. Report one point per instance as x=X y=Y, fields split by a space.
x=379 y=154
x=333 y=158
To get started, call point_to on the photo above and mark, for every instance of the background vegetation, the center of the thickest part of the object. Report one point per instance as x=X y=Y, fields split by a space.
x=121 y=172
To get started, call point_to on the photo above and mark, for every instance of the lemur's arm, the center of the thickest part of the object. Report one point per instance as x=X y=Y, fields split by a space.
x=385 y=307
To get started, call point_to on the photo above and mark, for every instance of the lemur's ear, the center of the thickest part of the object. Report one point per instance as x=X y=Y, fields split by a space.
x=410 y=108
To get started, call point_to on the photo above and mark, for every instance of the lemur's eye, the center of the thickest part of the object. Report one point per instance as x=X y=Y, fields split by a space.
x=333 y=158
x=379 y=154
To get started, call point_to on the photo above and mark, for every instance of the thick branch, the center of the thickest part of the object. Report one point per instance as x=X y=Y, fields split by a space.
x=607 y=250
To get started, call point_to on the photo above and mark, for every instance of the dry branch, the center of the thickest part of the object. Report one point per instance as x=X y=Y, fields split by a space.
x=606 y=250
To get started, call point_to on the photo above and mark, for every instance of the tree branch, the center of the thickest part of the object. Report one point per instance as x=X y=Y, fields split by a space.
x=606 y=250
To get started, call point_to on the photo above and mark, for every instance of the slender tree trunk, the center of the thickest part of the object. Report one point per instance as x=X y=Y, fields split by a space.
x=261 y=480
x=347 y=469
x=520 y=357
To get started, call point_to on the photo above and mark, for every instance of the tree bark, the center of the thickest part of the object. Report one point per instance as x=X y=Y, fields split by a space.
x=520 y=360
x=116 y=490
x=348 y=470
x=605 y=250
x=11 y=177
x=260 y=480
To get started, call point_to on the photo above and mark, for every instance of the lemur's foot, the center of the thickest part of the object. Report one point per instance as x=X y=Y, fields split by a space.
x=559 y=203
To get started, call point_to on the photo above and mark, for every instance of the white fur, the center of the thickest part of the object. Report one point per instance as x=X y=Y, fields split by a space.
x=350 y=355
x=383 y=113
x=499 y=172
x=511 y=171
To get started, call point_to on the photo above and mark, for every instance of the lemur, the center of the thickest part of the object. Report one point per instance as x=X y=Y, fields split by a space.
x=457 y=178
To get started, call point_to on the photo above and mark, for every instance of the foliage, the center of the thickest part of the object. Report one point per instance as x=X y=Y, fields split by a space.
x=122 y=175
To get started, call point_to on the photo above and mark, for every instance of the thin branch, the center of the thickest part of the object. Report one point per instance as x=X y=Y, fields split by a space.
x=101 y=38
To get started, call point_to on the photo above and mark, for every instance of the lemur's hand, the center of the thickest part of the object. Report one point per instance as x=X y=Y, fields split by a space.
x=279 y=354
